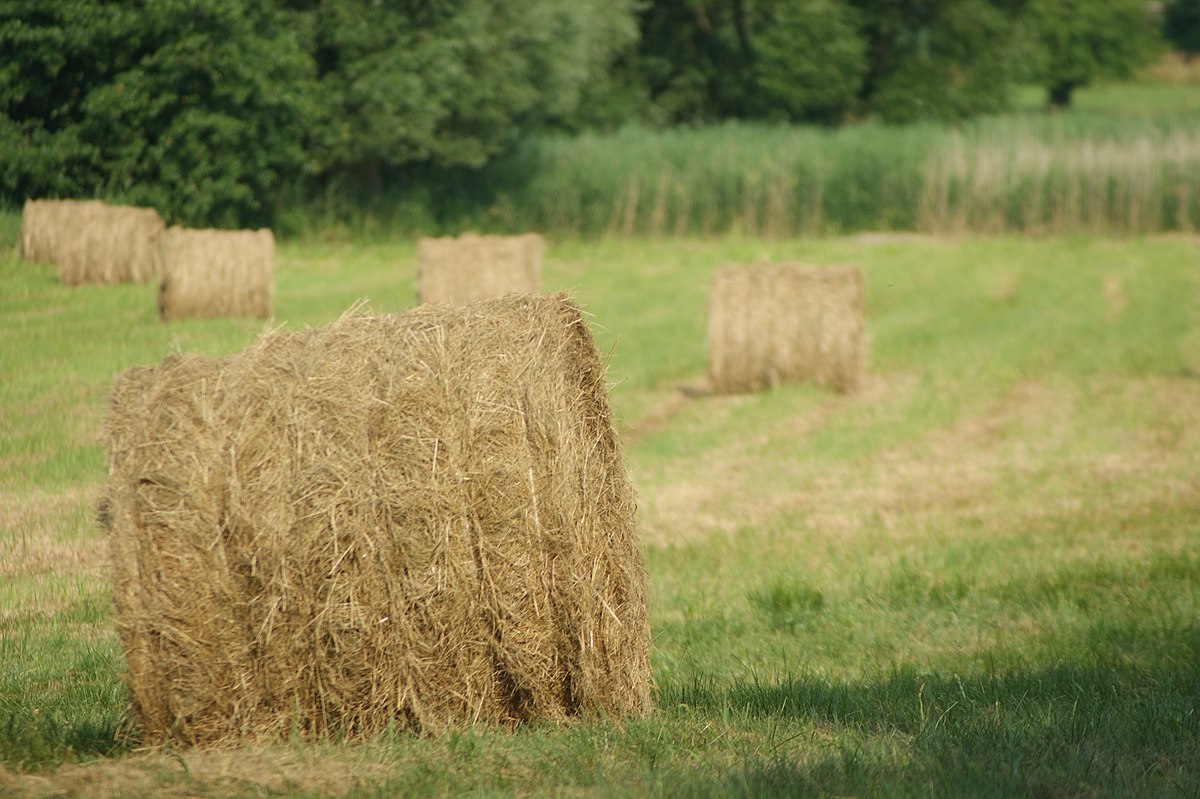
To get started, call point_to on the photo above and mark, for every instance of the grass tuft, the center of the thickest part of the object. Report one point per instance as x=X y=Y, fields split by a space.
x=787 y=604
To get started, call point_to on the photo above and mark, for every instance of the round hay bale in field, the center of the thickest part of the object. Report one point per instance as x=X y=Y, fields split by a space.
x=209 y=273
x=454 y=271
x=100 y=243
x=413 y=521
x=48 y=225
x=774 y=323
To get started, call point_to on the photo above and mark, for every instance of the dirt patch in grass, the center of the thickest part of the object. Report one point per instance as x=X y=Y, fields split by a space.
x=1043 y=448
x=1114 y=296
x=289 y=771
x=1004 y=286
x=723 y=490
x=665 y=407
x=51 y=552
x=50 y=533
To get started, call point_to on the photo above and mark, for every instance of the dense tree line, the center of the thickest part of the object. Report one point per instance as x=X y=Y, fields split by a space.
x=901 y=60
x=1181 y=25
x=210 y=109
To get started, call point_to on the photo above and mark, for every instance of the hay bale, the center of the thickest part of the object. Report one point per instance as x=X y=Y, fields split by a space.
x=774 y=323
x=417 y=520
x=217 y=273
x=92 y=242
x=47 y=226
x=459 y=270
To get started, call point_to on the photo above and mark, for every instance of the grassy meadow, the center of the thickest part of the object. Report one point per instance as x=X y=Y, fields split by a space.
x=979 y=576
x=1124 y=159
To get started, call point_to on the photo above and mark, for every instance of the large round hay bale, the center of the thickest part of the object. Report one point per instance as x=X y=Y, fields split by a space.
x=459 y=270
x=97 y=243
x=416 y=520
x=209 y=273
x=774 y=323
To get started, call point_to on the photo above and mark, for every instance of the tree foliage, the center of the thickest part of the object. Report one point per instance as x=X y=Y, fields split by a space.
x=1181 y=25
x=938 y=59
x=809 y=60
x=1079 y=41
x=824 y=60
x=451 y=82
x=198 y=107
x=207 y=109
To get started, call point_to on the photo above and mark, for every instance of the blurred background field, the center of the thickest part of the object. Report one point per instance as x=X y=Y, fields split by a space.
x=980 y=575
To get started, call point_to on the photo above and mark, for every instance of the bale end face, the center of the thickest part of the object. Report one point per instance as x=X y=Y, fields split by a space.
x=211 y=273
x=775 y=323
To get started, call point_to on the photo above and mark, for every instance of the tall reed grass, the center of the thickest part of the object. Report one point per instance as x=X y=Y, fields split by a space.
x=1022 y=173
x=993 y=181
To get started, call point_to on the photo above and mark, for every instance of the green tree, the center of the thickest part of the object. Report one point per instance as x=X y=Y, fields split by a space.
x=1181 y=25
x=826 y=60
x=52 y=56
x=938 y=59
x=200 y=108
x=704 y=61
x=451 y=82
x=809 y=59
x=213 y=120
x=210 y=109
x=673 y=74
x=1079 y=41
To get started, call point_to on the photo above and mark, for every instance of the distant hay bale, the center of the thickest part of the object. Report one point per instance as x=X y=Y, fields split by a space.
x=92 y=242
x=418 y=520
x=109 y=244
x=775 y=323
x=46 y=223
x=455 y=271
x=217 y=273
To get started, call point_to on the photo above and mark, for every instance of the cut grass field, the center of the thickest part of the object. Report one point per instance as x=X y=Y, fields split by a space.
x=979 y=576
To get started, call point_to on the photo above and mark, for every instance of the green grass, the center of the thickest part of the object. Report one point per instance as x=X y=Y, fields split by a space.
x=980 y=576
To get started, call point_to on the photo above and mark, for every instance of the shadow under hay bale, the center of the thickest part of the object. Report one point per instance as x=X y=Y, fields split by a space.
x=454 y=271
x=775 y=323
x=208 y=273
x=92 y=242
x=419 y=520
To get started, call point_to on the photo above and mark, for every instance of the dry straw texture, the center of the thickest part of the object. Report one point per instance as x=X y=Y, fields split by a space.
x=1141 y=185
x=217 y=273
x=46 y=224
x=459 y=270
x=774 y=323
x=417 y=520
x=92 y=242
